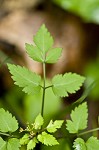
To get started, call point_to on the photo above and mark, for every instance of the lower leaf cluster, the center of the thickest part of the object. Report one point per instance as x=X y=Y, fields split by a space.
x=36 y=134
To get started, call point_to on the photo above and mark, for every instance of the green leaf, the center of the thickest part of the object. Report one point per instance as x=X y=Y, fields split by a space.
x=53 y=55
x=24 y=78
x=43 y=39
x=43 y=44
x=34 y=52
x=79 y=119
x=67 y=83
x=47 y=139
x=2 y=144
x=79 y=144
x=7 y=122
x=53 y=126
x=38 y=122
x=32 y=143
x=25 y=139
x=92 y=143
x=13 y=144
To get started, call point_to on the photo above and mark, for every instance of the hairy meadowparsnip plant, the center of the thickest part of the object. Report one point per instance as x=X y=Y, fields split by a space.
x=62 y=85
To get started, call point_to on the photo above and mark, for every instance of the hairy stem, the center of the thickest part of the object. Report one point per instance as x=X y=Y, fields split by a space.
x=89 y=131
x=43 y=97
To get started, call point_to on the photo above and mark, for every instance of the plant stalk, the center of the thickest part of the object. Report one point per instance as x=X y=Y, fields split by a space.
x=43 y=97
x=6 y=134
x=48 y=86
x=89 y=131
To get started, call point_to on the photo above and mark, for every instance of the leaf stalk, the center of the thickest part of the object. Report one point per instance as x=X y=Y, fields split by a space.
x=89 y=131
x=6 y=134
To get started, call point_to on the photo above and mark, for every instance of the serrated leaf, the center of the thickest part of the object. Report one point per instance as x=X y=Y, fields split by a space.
x=34 y=52
x=79 y=119
x=2 y=144
x=67 y=83
x=7 y=122
x=38 y=122
x=43 y=39
x=53 y=55
x=32 y=143
x=47 y=139
x=25 y=139
x=25 y=78
x=79 y=144
x=92 y=143
x=13 y=144
x=53 y=126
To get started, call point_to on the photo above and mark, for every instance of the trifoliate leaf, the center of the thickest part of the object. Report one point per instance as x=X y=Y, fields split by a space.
x=67 y=83
x=32 y=143
x=34 y=52
x=25 y=139
x=92 y=143
x=25 y=78
x=79 y=144
x=53 y=55
x=79 y=119
x=47 y=139
x=43 y=39
x=53 y=126
x=2 y=144
x=13 y=144
x=7 y=122
x=38 y=122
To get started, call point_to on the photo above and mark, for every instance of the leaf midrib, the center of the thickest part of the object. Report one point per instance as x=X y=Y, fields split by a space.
x=43 y=41
x=35 y=83
x=64 y=84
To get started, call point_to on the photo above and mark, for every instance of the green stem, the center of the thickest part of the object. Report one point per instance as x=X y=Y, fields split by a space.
x=48 y=86
x=6 y=134
x=43 y=97
x=89 y=131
